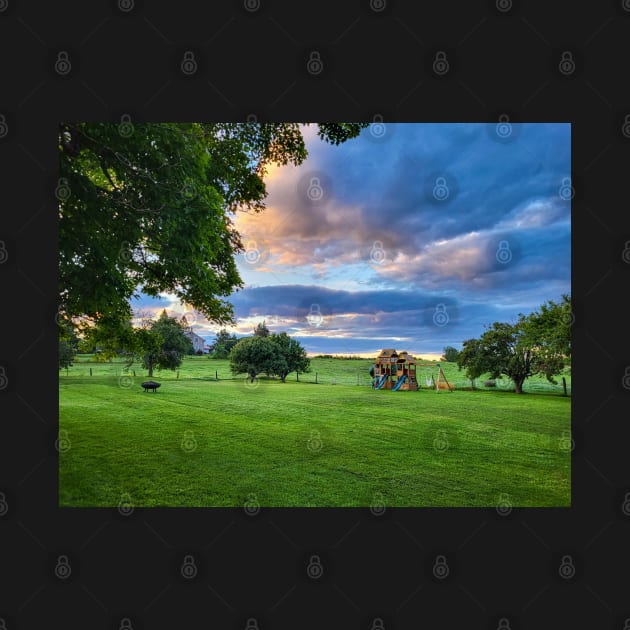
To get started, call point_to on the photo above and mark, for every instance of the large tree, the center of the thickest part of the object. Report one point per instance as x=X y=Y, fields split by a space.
x=149 y=207
x=165 y=345
x=293 y=353
x=471 y=358
x=538 y=343
x=254 y=355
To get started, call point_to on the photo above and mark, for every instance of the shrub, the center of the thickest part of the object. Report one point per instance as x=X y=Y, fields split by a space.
x=490 y=383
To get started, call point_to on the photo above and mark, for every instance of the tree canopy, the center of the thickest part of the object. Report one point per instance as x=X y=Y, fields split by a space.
x=150 y=206
x=254 y=355
x=538 y=343
x=293 y=353
x=274 y=354
x=224 y=342
x=450 y=354
x=261 y=330
x=163 y=344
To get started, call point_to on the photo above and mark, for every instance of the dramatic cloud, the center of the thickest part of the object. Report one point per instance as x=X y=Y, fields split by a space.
x=380 y=231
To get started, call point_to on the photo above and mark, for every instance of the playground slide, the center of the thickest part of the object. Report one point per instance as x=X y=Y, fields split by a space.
x=401 y=380
x=381 y=382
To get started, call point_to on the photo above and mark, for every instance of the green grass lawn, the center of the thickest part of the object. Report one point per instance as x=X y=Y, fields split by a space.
x=199 y=442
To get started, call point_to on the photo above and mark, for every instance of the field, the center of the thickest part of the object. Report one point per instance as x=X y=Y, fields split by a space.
x=202 y=442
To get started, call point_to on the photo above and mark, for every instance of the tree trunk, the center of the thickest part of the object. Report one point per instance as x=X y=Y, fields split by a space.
x=518 y=385
x=150 y=363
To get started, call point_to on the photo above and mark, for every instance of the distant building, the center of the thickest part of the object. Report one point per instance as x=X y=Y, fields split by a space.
x=199 y=343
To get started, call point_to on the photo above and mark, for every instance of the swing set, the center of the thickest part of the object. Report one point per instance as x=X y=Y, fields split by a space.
x=441 y=382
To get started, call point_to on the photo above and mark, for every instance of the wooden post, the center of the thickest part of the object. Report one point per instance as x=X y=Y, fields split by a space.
x=564 y=386
x=297 y=376
x=316 y=377
x=216 y=374
x=134 y=373
x=177 y=373
x=90 y=371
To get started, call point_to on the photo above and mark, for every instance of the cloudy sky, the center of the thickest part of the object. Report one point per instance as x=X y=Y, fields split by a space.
x=412 y=236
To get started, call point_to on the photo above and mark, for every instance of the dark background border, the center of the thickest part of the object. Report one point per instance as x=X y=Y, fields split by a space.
x=377 y=568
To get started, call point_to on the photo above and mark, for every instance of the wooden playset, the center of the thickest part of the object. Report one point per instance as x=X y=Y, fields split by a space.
x=398 y=371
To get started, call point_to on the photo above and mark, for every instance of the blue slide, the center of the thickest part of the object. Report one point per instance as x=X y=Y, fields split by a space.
x=401 y=380
x=381 y=382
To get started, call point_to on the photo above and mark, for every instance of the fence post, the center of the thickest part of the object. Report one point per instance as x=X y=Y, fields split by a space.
x=564 y=385
x=297 y=376
x=134 y=373
x=216 y=374
x=316 y=377
x=177 y=373
x=90 y=371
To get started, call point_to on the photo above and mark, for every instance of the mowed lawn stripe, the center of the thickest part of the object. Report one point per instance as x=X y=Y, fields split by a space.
x=256 y=441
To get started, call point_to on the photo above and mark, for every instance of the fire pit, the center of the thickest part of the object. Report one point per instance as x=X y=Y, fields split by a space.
x=150 y=385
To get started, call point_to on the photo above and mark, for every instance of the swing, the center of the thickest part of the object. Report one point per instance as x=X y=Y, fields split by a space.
x=429 y=379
